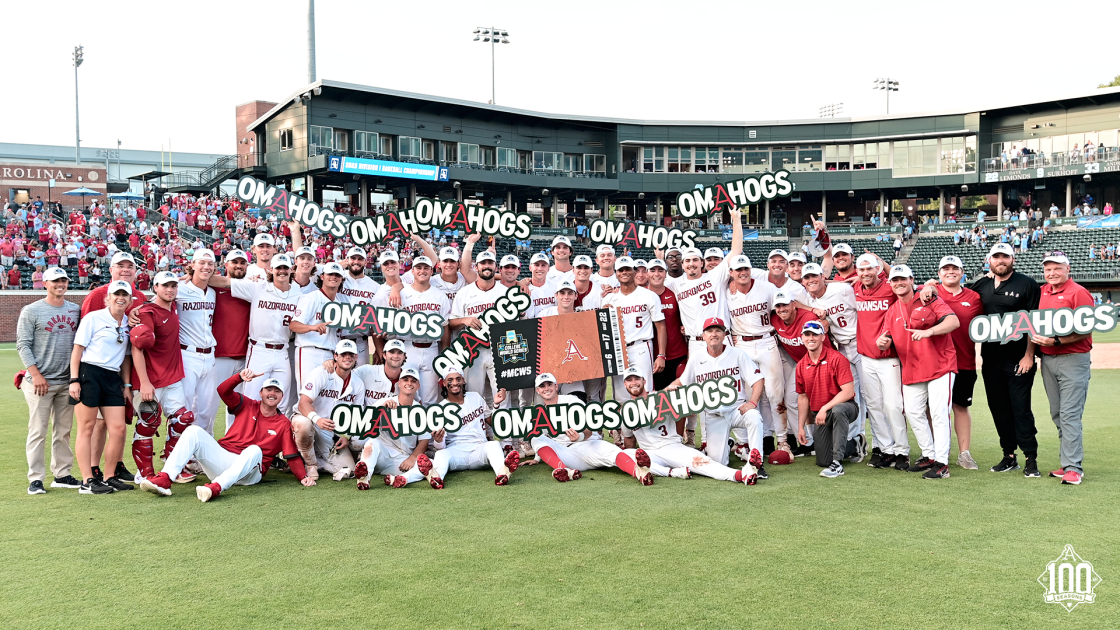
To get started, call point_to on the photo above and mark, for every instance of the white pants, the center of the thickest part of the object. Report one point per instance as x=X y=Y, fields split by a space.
x=855 y=358
x=225 y=367
x=221 y=466
x=718 y=425
x=938 y=396
x=384 y=461
x=171 y=398
x=479 y=374
x=681 y=456
x=421 y=359
x=268 y=363
x=469 y=457
x=308 y=358
x=583 y=455
x=881 y=383
x=765 y=353
x=639 y=355
x=200 y=383
x=789 y=372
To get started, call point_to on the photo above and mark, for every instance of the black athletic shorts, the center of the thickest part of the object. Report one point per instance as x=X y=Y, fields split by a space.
x=100 y=387
x=962 y=388
x=662 y=379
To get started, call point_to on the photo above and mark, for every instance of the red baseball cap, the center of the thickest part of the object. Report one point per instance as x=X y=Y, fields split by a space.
x=714 y=321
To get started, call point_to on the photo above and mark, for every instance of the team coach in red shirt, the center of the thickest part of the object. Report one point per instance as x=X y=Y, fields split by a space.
x=826 y=393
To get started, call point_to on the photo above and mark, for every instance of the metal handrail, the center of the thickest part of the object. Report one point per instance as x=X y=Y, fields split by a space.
x=1038 y=160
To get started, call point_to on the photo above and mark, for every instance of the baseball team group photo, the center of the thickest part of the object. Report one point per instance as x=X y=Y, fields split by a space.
x=420 y=361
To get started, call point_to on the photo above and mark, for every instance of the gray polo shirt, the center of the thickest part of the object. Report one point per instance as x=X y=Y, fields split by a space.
x=45 y=338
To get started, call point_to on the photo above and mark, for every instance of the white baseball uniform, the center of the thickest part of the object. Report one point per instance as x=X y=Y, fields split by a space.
x=312 y=348
x=663 y=445
x=450 y=289
x=326 y=390
x=600 y=281
x=699 y=300
x=422 y=352
x=594 y=452
x=377 y=384
x=556 y=276
x=468 y=448
x=718 y=424
x=752 y=332
x=270 y=312
x=839 y=303
x=638 y=312
x=540 y=298
x=384 y=455
x=360 y=291
x=196 y=337
x=472 y=301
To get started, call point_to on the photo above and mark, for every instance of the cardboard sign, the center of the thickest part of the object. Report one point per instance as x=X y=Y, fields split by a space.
x=640 y=235
x=1048 y=322
x=529 y=422
x=464 y=349
x=573 y=347
x=360 y=421
x=705 y=200
x=365 y=319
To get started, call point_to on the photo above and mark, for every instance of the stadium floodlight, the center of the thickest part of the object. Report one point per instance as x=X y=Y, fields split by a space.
x=79 y=57
x=492 y=36
x=832 y=110
x=887 y=85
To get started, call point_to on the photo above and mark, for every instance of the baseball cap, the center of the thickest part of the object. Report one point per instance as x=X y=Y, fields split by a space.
x=714 y=321
x=841 y=248
x=672 y=249
x=796 y=256
x=346 y=345
x=866 y=261
x=560 y=239
x=421 y=260
x=813 y=327
x=632 y=371
x=121 y=257
x=657 y=262
x=566 y=285
x=281 y=260
x=119 y=285
x=333 y=267
x=1056 y=257
x=778 y=252
x=582 y=260
x=304 y=251
x=900 y=271
x=641 y=263
x=388 y=255
x=811 y=269
x=165 y=277
x=234 y=254
x=355 y=251
x=410 y=371
x=54 y=273
x=1002 y=248
x=950 y=260
x=264 y=239
x=394 y=344
x=624 y=262
x=510 y=259
x=713 y=252
x=547 y=377
x=740 y=262
x=272 y=382
x=690 y=252
x=604 y=248
x=538 y=257
x=486 y=255
x=203 y=254
x=448 y=253
x=782 y=297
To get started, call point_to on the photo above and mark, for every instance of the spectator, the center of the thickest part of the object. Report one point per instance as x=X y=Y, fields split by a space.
x=980 y=216
x=1092 y=251
x=897 y=245
x=14 y=279
x=1108 y=208
x=37 y=278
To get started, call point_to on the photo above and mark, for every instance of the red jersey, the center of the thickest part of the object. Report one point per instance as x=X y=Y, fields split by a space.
x=839 y=277
x=871 y=312
x=44 y=234
x=821 y=380
x=273 y=434
x=789 y=335
x=163 y=359
x=675 y=347
x=926 y=359
x=13 y=277
x=232 y=337
x=95 y=301
x=966 y=306
x=1068 y=295
x=141 y=213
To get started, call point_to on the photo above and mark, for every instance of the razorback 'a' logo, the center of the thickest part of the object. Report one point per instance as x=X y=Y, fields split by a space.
x=573 y=353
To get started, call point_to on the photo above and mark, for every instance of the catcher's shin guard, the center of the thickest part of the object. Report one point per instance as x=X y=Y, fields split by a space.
x=147 y=424
x=176 y=424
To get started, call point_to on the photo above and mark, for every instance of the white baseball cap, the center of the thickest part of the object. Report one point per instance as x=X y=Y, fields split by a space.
x=410 y=372
x=560 y=239
x=510 y=259
x=796 y=256
x=346 y=345
x=448 y=253
x=811 y=269
x=486 y=255
x=538 y=257
x=203 y=254
x=547 y=377
x=165 y=277
x=388 y=255
x=234 y=254
x=421 y=260
x=304 y=251
x=394 y=344
x=657 y=262
x=1056 y=257
x=356 y=251
x=121 y=257
x=672 y=249
x=740 y=262
x=782 y=297
x=713 y=252
x=866 y=261
x=281 y=260
x=54 y=273
x=264 y=238
x=632 y=371
x=1002 y=248
x=778 y=252
x=692 y=252
x=566 y=285
x=950 y=260
x=582 y=260
x=841 y=248
x=900 y=271
x=333 y=267
x=638 y=262
x=624 y=262
x=272 y=382
x=119 y=285
x=604 y=249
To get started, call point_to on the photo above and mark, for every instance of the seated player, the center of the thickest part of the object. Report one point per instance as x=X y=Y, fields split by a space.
x=244 y=455
x=311 y=422
x=394 y=457
x=573 y=452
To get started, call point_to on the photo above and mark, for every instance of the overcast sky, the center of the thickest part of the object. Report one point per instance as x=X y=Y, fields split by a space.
x=171 y=73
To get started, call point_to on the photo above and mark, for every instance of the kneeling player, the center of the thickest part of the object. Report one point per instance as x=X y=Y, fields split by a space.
x=394 y=458
x=667 y=456
x=245 y=453
x=312 y=425
x=572 y=453
x=468 y=448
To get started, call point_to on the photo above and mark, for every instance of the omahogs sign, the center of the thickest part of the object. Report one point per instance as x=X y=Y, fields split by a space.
x=379 y=320
x=1049 y=322
x=705 y=200
x=465 y=348
x=640 y=235
x=360 y=421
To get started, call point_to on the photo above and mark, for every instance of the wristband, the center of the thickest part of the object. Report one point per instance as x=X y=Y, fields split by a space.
x=660 y=356
x=313 y=416
x=75 y=380
x=1057 y=341
x=128 y=385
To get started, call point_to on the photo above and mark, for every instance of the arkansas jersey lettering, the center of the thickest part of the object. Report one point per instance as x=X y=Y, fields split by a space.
x=700 y=378
x=869 y=305
x=474 y=415
x=365 y=295
x=276 y=306
x=427 y=308
x=751 y=308
x=474 y=310
x=61 y=323
x=638 y=308
x=196 y=306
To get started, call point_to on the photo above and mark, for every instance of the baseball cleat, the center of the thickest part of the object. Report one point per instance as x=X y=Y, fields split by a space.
x=342 y=473
x=749 y=475
x=641 y=458
x=396 y=481
x=507 y=448
x=185 y=477
x=208 y=491
x=641 y=469
x=900 y=462
x=513 y=460
x=755 y=458
x=435 y=482
x=363 y=484
x=424 y=465
x=194 y=467
x=361 y=470
x=566 y=474
x=157 y=484
x=680 y=473
x=646 y=479
x=501 y=480
x=923 y=465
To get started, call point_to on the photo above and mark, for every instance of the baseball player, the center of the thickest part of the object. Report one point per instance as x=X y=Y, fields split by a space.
x=640 y=312
x=562 y=256
x=448 y=279
x=303 y=276
x=380 y=381
x=574 y=452
x=264 y=248
x=825 y=390
x=668 y=457
x=641 y=273
x=246 y=452
x=157 y=363
x=232 y=337
x=586 y=298
x=713 y=256
x=315 y=341
x=394 y=458
x=542 y=291
x=702 y=295
x=467 y=448
x=795 y=266
x=470 y=302
x=565 y=304
x=789 y=322
x=676 y=349
x=839 y=257
x=311 y=419
x=196 y=303
x=880 y=378
x=422 y=297
x=605 y=257
x=920 y=334
x=778 y=266
x=361 y=289
x=716 y=361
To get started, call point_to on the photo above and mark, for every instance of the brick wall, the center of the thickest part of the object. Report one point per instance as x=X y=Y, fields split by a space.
x=35 y=178
x=12 y=302
x=246 y=114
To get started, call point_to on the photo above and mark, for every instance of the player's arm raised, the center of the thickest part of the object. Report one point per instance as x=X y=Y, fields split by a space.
x=736 y=236
x=465 y=260
x=429 y=251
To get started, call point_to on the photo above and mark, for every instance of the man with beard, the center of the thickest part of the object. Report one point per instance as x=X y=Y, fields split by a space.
x=673 y=267
x=361 y=289
x=422 y=297
x=470 y=303
x=676 y=348
x=840 y=257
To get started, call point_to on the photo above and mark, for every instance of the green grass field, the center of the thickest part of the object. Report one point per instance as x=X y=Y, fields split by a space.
x=871 y=549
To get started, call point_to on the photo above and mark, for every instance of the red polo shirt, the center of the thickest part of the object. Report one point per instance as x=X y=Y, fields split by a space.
x=926 y=359
x=966 y=306
x=232 y=337
x=821 y=380
x=1068 y=295
x=871 y=313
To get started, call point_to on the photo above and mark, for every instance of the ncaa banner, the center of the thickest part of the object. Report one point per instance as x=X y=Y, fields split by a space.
x=573 y=347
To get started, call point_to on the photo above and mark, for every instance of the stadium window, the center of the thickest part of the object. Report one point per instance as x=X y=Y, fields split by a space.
x=593 y=163
x=547 y=161
x=408 y=147
x=707 y=160
x=901 y=159
x=810 y=159
x=844 y=157
x=756 y=161
x=366 y=141
x=784 y=158
x=429 y=148
x=952 y=155
x=507 y=158
x=573 y=163
x=732 y=161
x=830 y=157
x=858 y=159
x=970 y=154
x=468 y=153
x=322 y=137
x=884 y=155
x=487 y=155
x=342 y=141
x=387 y=146
x=929 y=156
x=680 y=160
x=287 y=141
x=524 y=160
x=653 y=160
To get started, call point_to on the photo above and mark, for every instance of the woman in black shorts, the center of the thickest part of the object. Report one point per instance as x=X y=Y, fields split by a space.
x=99 y=360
